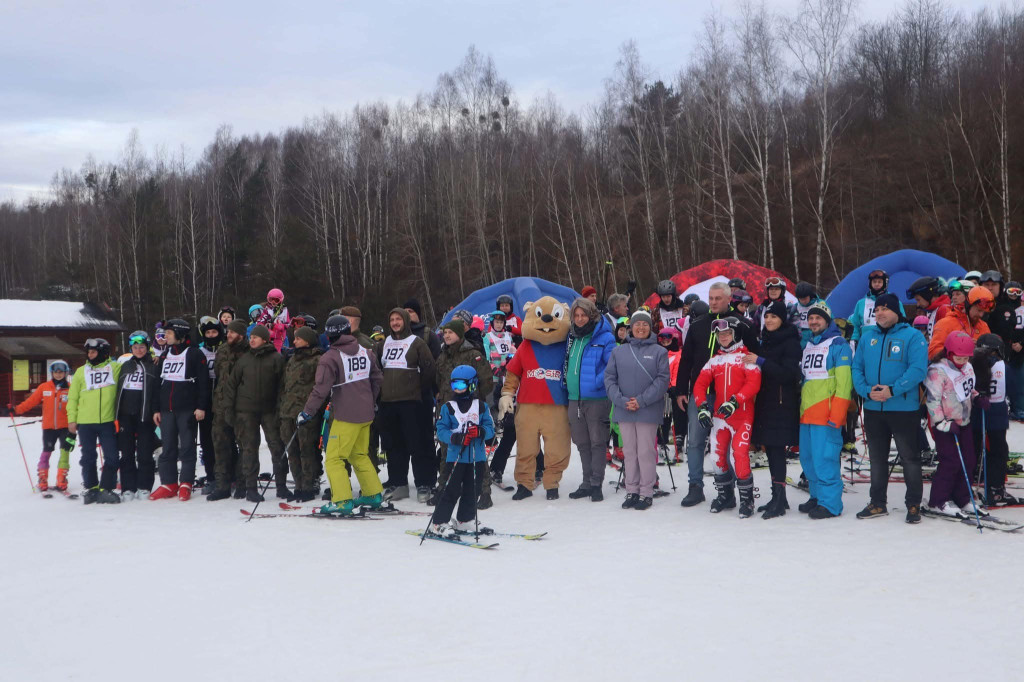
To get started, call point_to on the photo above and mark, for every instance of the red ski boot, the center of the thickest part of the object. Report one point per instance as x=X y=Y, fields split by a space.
x=44 y=476
x=185 y=492
x=164 y=492
x=62 y=480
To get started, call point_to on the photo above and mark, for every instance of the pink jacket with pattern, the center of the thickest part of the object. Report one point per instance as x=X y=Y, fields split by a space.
x=941 y=396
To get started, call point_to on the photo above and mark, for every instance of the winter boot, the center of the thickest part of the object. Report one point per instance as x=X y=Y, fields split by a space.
x=778 y=505
x=522 y=492
x=239 y=492
x=44 y=476
x=726 y=495
x=746 y=487
x=253 y=495
x=108 y=497
x=807 y=506
x=371 y=501
x=185 y=492
x=62 y=479
x=283 y=493
x=90 y=496
x=630 y=501
x=694 y=496
x=209 y=486
x=643 y=503
x=914 y=513
x=305 y=495
x=484 y=501
x=218 y=494
x=820 y=512
x=164 y=492
x=326 y=495
x=595 y=494
x=553 y=494
x=578 y=494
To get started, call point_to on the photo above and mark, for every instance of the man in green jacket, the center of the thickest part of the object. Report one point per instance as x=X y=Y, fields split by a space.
x=92 y=403
x=299 y=380
x=251 y=392
x=228 y=462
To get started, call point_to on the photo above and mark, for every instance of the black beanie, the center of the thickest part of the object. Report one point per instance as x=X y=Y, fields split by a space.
x=414 y=305
x=892 y=302
x=779 y=309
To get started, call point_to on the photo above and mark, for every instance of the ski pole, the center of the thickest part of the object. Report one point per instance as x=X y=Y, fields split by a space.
x=20 y=447
x=23 y=423
x=967 y=479
x=668 y=463
x=444 y=489
x=268 y=480
x=984 y=457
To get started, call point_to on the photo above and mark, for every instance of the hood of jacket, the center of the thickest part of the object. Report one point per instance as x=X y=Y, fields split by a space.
x=347 y=344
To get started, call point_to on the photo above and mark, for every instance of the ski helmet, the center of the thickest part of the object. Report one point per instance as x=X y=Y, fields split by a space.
x=882 y=275
x=805 y=290
x=666 y=288
x=275 y=296
x=699 y=309
x=921 y=321
x=180 y=327
x=967 y=284
x=464 y=379
x=960 y=344
x=465 y=316
x=981 y=297
x=974 y=275
x=336 y=326
x=498 y=313
x=504 y=298
x=992 y=276
x=737 y=283
x=139 y=336
x=741 y=296
x=334 y=311
x=101 y=346
x=310 y=320
x=690 y=299
x=990 y=343
x=206 y=323
x=926 y=287
x=227 y=309
x=254 y=312
x=59 y=366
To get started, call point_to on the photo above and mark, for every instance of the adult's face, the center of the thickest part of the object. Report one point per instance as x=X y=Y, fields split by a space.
x=170 y=337
x=976 y=313
x=885 y=318
x=255 y=342
x=396 y=322
x=450 y=337
x=816 y=323
x=234 y=337
x=591 y=297
x=922 y=302
x=772 y=321
x=955 y=297
x=620 y=309
x=994 y=287
x=300 y=343
x=139 y=350
x=580 y=317
x=641 y=329
x=718 y=301
x=211 y=333
x=507 y=307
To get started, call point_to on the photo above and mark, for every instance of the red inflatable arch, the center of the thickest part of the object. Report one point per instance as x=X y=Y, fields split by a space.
x=753 y=275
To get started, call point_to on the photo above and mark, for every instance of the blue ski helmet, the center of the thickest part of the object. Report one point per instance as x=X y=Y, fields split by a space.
x=254 y=308
x=464 y=379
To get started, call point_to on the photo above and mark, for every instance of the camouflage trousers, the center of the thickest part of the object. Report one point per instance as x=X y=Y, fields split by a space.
x=304 y=452
x=227 y=461
x=247 y=428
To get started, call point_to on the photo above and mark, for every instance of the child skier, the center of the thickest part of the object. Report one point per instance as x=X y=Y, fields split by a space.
x=464 y=425
x=993 y=420
x=274 y=317
x=53 y=395
x=949 y=388
x=736 y=385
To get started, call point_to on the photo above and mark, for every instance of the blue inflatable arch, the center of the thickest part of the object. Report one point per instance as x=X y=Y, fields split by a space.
x=521 y=289
x=903 y=266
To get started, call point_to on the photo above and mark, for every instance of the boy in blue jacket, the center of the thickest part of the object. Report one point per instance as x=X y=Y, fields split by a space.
x=465 y=423
x=890 y=363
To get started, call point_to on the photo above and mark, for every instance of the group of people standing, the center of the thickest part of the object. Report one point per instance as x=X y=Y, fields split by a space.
x=721 y=376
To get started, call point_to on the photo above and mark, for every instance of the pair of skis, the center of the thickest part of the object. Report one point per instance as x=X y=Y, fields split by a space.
x=990 y=522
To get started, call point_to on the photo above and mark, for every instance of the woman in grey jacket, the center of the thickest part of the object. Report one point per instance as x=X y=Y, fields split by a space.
x=636 y=380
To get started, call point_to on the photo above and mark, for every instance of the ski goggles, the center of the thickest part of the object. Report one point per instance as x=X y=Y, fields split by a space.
x=774 y=282
x=877 y=274
x=986 y=305
x=720 y=325
x=206 y=319
x=59 y=367
x=1015 y=292
x=138 y=337
x=160 y=335
x=460 y=385
x=94 y=344
x=298 y=322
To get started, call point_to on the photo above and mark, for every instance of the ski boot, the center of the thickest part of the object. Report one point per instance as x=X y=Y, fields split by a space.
x=239 y=493
x=552 y=494
x=630 y=501
x=746 y=487
x=164 y=492
x=807 y=506
x=371 y=501
x=90 y=496
x=185 y=492
x=283 y=493
x=522 y=492
x=726 y=495
x=62 y=480
x=485 y=501
x=44 y=475
x=343 y=508
x=820 y=512
x=107 y=497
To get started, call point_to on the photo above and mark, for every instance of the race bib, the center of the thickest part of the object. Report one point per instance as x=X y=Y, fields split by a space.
x=669 y=318
x=998 y=387
x=801 y=316
x=869 y=312
x=98 y=377
x=814 y=364
x=173 y=368
x=931 y=321
x=1020 y=317
x=394 y=353
x=502 y=343
x=963 y=381
x=134 y=380
x=357 y=367
x=211 y=356
x=470 y=416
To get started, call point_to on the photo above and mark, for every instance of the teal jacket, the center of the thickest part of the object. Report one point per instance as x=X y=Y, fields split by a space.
x=857 y=320
x=896 y=357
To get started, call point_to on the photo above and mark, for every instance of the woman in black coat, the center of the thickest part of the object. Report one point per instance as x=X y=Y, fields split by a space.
x=777 y=408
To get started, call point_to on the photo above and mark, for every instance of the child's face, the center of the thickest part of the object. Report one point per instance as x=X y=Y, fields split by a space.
x=664 y=340
x=498 y=324
x=621 y=333
x=725 y=337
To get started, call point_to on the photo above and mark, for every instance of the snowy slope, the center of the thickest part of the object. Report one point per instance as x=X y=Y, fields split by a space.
x=169 y=590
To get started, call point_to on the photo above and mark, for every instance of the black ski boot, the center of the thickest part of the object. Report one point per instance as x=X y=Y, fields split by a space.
x=746 y=487
x=595 y=494
x=807 y=506
x=239 y=492
x=777 y=506
x=90 y=496
x=726 y=495
x=283 y=493
x=581 y=492
x=108 y=497
x=522 y=493
x=694 y=496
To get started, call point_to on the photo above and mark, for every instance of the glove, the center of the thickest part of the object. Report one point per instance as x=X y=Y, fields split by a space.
x=727 y=408
x=302 y=418
x=471 y=434
x=983 y=402
x=947 y=426
x=704 y=417
x=505 y=406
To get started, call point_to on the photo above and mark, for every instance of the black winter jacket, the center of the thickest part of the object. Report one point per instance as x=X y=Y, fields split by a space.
x=777 y=407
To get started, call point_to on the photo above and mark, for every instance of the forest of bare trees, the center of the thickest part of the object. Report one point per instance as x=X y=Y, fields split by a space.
x=808 y=143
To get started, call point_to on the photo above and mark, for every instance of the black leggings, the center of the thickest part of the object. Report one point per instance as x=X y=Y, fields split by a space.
x=997 y=454
x=776 y=462
x=463 y=486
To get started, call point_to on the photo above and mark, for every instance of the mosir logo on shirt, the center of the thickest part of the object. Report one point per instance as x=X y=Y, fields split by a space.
x=546 y=374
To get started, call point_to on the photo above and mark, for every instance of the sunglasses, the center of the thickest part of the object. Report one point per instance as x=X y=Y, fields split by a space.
x=774 y=282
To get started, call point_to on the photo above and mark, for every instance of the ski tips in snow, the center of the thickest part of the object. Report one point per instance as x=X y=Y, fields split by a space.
x=450 y=540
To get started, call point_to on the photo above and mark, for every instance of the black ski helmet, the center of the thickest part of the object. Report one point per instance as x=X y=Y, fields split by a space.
x=882 y=275
x=992 y=276
x=690 y=299
x=666 y=288
x=737 y=283
x=926 y=287
x=699 y=309
x=101 y=346
x=310 y=320
x=180 y=327
x=990 y=343
x=336 y=326
x=804 y=290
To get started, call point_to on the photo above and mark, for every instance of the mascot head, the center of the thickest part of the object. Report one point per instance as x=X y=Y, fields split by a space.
x=545 y=321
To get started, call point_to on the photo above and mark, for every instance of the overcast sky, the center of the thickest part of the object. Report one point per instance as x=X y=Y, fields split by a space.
x=78 y=76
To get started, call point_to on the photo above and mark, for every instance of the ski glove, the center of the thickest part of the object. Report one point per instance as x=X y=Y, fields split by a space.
x=947 y=426
x=983 y=402
x=727 y=408
x=704 y=417
x=302 y=418
x=472 y=433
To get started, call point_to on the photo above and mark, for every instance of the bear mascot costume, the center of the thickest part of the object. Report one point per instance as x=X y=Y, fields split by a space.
x=534 y=388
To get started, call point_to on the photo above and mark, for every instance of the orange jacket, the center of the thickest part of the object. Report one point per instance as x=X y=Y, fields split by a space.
x=55 y=405
x=955 y=321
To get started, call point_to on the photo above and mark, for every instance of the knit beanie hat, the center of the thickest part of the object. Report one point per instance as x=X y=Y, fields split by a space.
x=413 y=305
x=640 y=316
x=237 y=326
x=260 y=331
x=891 y=302
x=588 y=291
x=456 y=325
x=821 y=308
x=307 y=335
x=779 y=309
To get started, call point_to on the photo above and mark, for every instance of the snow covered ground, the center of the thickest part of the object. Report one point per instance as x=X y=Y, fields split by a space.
x=169 y=590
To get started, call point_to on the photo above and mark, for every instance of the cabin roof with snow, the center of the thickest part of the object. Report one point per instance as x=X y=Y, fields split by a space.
x=21 y=314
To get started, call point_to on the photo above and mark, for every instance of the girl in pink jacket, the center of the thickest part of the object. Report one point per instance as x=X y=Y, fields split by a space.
x=275 y=318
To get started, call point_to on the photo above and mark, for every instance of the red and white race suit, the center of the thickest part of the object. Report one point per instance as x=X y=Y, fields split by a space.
x=733 y=378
